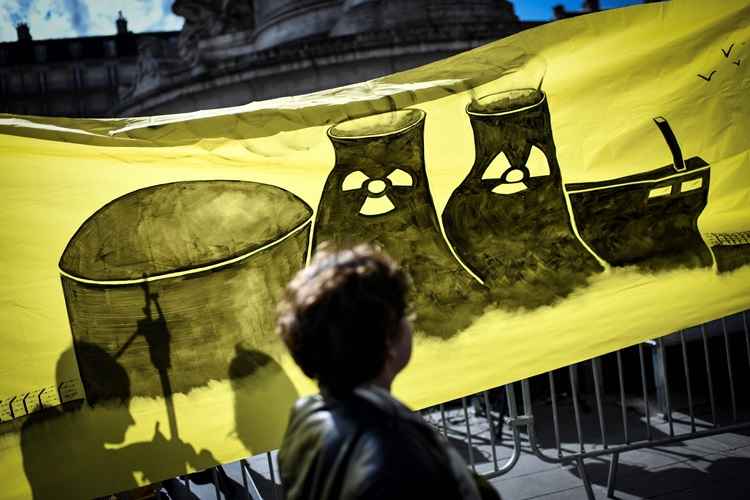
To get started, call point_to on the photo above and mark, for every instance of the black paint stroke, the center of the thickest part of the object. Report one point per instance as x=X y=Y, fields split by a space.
x=707 y=78
x=728 y=51
x=674 y=147
x=522 y=245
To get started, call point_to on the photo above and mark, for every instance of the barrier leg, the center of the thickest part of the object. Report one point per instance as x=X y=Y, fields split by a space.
x=612 y=476
x=276 y=487
x=657 y=358
x=249 y=482
x=215 y=480
x=585 y=479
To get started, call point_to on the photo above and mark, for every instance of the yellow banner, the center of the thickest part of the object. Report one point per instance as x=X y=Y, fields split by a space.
x=565 y=192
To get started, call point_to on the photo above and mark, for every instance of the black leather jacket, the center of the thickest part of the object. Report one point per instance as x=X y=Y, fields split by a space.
x=368 y=445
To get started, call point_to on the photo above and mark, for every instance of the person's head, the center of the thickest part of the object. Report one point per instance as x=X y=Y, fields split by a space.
x=343 y=318
x=107 y=385
x=254 y=375
x=104 y=379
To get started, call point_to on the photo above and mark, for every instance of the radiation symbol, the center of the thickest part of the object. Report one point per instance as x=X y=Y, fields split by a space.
x=377 y=201
x=512 y=179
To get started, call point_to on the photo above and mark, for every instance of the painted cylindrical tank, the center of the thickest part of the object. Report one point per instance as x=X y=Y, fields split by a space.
x=171 y=279
x=508 y=220
x=378 y=192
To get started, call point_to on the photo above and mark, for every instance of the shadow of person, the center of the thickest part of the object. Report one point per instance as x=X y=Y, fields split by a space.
x=67 y=450
x=469 y=454
x=263 y=398
x=64 y=448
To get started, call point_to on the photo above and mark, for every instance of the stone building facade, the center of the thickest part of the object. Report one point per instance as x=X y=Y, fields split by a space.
x=69 y=77
x=233 y=52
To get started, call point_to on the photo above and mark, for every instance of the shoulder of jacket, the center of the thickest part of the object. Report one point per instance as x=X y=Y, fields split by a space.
x=307 y=404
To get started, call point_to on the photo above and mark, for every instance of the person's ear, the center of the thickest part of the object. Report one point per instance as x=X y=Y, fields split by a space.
x=390 y=348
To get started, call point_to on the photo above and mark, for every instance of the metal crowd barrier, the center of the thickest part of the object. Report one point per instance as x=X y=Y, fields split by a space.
x=614 y=435
x=646 y=373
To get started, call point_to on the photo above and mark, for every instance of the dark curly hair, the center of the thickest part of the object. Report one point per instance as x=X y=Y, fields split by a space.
x=337 y=313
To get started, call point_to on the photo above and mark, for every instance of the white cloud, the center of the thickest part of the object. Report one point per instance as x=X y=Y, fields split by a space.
x=74 y=18
x=7 y=25
x=50 y=19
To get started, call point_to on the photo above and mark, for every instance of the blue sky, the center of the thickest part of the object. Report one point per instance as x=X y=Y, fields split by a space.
x=538 y=10
x=73 y=18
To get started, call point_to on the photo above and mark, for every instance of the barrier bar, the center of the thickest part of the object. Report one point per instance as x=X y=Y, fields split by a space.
x=585 y=478
x=468 y=435
x=574 y=396
x=250 y=486
x=645 y=391
x=622 y=398
x=273 y=475
x=555 y=418
x=526 y=394
x=729 y=368
x=687 y=380
x=612 y=474
x=596 y=368
x=445 y=424
x=514 y=421
x=668 y=399
x=492 y=428
x=244 y=475
x=510 y=394
x=708 y=375
x=215 y=480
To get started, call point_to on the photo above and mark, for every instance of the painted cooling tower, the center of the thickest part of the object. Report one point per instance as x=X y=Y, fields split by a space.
x=378 y=192
x=508 y=220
